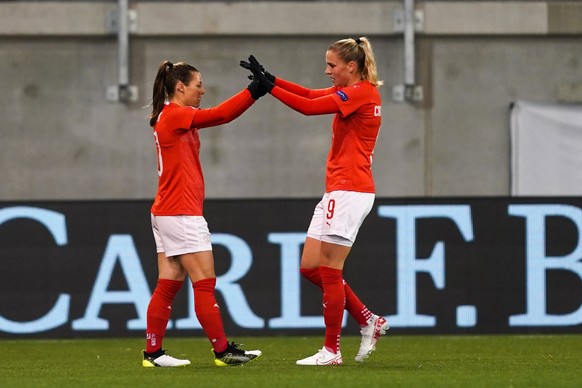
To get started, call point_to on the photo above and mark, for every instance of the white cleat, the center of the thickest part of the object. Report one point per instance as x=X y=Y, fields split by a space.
x=161 y=359
x=377 y=326
x=322 y=358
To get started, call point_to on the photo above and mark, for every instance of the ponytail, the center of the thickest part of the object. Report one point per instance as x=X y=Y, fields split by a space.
x=159 y=93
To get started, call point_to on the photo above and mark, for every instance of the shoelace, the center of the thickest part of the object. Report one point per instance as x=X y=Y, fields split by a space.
x=234 y=348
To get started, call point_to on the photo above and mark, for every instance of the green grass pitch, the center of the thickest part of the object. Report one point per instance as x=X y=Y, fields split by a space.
x=399 y=361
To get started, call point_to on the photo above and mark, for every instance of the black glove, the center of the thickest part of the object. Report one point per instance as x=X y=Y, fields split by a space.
x=258 y=73
x=269 y=76
x=257 y=90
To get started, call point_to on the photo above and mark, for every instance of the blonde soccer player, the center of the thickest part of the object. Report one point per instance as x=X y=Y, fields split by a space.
x=355 y=102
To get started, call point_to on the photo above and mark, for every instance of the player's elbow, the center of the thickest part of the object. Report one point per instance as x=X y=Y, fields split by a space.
x=225 y=117
x=310 y=110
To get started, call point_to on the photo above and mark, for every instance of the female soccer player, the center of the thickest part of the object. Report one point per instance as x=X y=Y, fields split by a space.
x=180 y=230
x=350 y=190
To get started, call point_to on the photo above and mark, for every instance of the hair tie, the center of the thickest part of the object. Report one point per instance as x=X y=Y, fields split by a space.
x=170 y=65
x=358 y=41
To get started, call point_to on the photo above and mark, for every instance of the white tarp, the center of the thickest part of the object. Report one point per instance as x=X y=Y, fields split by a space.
x=546 y=149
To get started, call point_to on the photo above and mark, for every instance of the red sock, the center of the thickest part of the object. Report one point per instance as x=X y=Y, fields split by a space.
x=312 y=274
x=354 y=305
x=334 y=300
x=208 y=313
x=158 y=313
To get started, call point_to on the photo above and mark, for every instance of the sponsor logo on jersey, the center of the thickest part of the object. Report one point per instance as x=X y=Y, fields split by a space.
x=342 y=95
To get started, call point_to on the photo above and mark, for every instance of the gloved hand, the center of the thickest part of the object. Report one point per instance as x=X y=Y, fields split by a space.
x=257 y=90
x=258 y=73
x=269 y=76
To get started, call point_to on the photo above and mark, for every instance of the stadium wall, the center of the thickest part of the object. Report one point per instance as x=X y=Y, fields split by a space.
x=431 y=266
x=62 y=139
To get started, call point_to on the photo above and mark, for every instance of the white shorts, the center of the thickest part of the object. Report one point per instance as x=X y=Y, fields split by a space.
x=178 y=235
x=338 y=216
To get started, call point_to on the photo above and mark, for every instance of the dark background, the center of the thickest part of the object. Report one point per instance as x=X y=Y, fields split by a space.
x=488 y=272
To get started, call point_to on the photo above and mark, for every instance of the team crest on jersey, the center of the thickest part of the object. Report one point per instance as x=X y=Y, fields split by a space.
x=342 y=95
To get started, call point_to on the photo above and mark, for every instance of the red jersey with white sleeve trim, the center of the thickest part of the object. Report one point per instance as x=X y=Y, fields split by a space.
x=180 y=178
x=355 y=128
x=354 y=133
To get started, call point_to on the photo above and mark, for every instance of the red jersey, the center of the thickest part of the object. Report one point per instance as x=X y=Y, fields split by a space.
x=180 y=177
x=355 y=129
